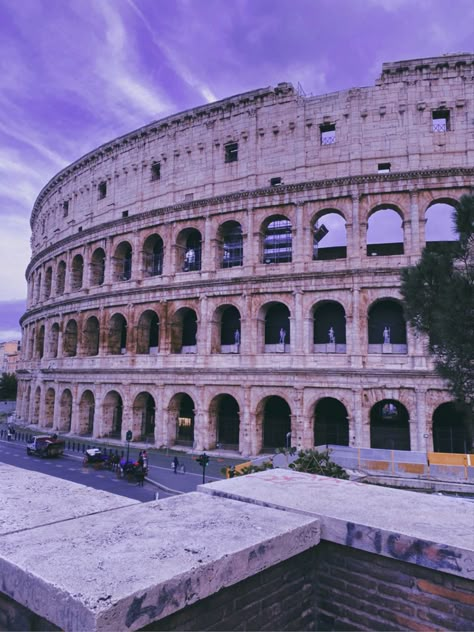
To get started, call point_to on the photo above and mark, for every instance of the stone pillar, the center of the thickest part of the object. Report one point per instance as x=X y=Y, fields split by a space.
x=249 y=250
x=57 y=406
x=245 y=426
x=298 y=239
x=357 y=434
x=207 y=263
x=297 y=344
x=354 y=245
x=203 y=332
x=167 y=236
x=75 y=415
x=419 y=426
x=353 y=335
x=98 y=427
x=201 y=430
x=247 y=327
x=417 y=225
x=297 y=421
x=109 y=262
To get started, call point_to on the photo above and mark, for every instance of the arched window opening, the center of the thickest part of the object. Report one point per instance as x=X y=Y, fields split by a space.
x=153 y=250
x=329 y=237
x=277 y=241
x=331 y=424
x=148 y=333
x=190 y=249
x=70 y=339
x=230 y=337
x=77 y=272
x=86 y=414
x=65 y=411
x=226 y=411
x=184 y=331
x=60 y=278
x=329 y=328
x=53 y=341
x=232 y=244
x=112 y=412
x=49 y=408
x=276 y=423
x=387 y=328
x=440 y=228
x=389 y=426
x=385 y=233
x=451 y=429
x=144 y=418
x=90 y=341
x=185 y=421
x=40 y=342
x=36 y=406
x=38 y=287
x=277 y=328
x=97 y=267
x=48 y=277
x=117 y=340
x=123 y=262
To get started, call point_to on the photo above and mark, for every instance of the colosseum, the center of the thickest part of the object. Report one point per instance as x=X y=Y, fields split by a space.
x=230 y=276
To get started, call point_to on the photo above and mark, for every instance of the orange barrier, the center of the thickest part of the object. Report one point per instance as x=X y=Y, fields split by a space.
x=446 y=458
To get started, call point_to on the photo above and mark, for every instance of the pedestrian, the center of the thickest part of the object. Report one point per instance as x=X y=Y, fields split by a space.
x=175 y=464
x=145 y=460
x=140 y=475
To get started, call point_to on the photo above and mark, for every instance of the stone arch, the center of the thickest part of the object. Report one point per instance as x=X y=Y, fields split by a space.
x=273 y=415
x=112 y=415
x=329 y=235
x=331 y=422
x=117 y=335
x=148 y=332
x=97 y=267
x=61 y=278
x=65 y=411
x=54 y=340
x=91 y=337
x=277 y=238
x=451 y=431
x=440 y=227
x=387 y=327
x=49 y=400
x=189 y=248
x=329 y=327
x=389 y=425
x=143 y=415
x=226 y=330
x=184 y=331
x=40 y=342
x=70 y=339
x=77 y=273
x=48 y=279
x=86 y=413
x=122 y=268
x=385 y=234
x=181 y=411
x=35 y=412
x=274 y=327
x=224 y=419
x=230 y=245
x=153 y=252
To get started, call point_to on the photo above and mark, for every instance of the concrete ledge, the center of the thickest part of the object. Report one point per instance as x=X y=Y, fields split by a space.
x=125 y=568
x=431 y=531
x=30 y=499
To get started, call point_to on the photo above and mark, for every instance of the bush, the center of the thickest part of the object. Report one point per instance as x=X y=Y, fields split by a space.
x=314 y=462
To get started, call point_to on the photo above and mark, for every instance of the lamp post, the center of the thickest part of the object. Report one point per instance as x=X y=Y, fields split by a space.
x=128 y=437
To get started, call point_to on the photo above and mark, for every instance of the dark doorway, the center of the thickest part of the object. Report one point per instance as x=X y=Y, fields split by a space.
x=389 y=426
x=277 y=319
x=185 y=421
x=276 y=423
x=450 y=432
x=331 y=425
x=228 y=420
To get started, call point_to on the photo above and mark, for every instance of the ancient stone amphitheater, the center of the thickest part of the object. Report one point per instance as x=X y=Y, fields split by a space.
x=229 y=276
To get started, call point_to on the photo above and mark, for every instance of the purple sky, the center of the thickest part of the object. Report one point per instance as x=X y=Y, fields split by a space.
x=76 y=73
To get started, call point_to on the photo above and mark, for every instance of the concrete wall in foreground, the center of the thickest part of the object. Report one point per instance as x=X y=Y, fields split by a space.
x=274 y=550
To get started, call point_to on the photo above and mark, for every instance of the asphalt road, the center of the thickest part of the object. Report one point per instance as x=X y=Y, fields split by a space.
x=70 y=467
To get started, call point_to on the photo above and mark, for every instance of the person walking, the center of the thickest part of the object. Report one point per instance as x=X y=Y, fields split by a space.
x=145 y=461
x=175 y=464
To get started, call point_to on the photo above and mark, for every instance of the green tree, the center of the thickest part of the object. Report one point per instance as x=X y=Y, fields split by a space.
x=314 y=462
x=8 y=386
x=438 y=296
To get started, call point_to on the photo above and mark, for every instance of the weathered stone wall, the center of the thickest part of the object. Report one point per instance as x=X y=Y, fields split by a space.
x=279 y=134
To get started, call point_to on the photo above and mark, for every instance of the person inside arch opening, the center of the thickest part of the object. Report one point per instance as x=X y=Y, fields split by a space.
x=189 y=259
x=282 y=335
x=386 y=335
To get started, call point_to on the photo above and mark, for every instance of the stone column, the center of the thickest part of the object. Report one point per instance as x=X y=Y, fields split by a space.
x=418 y=426
x=297 y=343
x=57 y=406
x=357 y=434
x=206 y=262
x=353 y=335
x=249 y=251
x=354 y=245
x=202 y=342
x=201 y=429
x=245 y=426
x=247 y=327
x=297 y=421
x=417 y=228
x=298 y=239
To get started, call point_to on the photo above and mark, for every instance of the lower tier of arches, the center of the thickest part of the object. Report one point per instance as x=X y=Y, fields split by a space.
x=249 y=419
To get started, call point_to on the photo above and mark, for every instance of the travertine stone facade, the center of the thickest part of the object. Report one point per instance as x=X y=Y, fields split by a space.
x=179 y=282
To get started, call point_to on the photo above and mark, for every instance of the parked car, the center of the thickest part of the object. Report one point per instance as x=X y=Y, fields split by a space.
x=46 y=446
x=94 y=456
